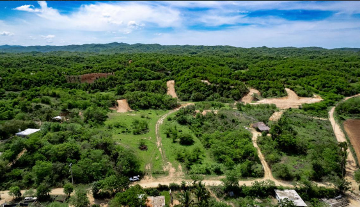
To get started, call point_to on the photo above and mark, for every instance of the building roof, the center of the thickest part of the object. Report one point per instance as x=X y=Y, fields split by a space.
x=27 y=132
x=291 y=195
x=158 y=201
x=261 y=126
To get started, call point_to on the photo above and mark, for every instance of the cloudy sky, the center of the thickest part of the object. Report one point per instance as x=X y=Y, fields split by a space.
x=242 y=24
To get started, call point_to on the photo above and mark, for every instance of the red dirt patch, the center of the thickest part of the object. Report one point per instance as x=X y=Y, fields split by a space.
x=352 y=128
x=86 y=78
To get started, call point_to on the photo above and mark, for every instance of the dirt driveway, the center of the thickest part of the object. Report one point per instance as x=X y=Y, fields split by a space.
x=292 y=100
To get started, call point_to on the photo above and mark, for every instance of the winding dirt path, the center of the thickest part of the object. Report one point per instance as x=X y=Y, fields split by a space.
x=267 y=172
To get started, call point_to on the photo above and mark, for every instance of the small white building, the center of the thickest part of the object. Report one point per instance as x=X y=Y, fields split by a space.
x=291 y=195
x=27 y=132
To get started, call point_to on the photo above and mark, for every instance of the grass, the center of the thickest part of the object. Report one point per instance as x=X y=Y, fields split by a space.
x=124 y=136
x=167 y=197
x=171 y=148
x=314 y=133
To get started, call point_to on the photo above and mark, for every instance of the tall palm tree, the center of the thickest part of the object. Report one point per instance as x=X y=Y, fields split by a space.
x=185 y=199
x=202 y=194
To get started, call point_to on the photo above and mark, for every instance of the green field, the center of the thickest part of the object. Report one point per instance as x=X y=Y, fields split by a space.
x=124 y=136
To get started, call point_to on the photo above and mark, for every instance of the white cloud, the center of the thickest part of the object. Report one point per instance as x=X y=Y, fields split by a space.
x=28 y=8
x=148 y=22
x=47 y=36
x=5 y=33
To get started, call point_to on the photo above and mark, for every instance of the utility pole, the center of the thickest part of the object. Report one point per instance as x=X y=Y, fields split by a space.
x=72 y=178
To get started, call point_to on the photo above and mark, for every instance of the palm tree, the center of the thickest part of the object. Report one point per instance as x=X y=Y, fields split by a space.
x=185 y=199
x=202 y=194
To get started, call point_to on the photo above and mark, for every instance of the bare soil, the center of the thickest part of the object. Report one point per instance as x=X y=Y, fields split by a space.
x=248 y=98
x=123 y=106
x=352 y=128
x=276 y=115
x=292 y=100
x=17 y=157
x=87 y=78
x=171 y=88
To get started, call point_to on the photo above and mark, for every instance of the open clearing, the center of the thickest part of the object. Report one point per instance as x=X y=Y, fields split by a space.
x=171 y=88
x=352 y=128
x=248 y=98
x=292 y=100
x=123 y=106
x=150 y=159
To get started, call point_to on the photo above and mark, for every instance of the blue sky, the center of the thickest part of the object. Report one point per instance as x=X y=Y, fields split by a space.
x=242 y=24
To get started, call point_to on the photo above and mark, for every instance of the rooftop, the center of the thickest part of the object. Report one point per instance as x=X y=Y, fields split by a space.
x=261 y=126
x=291 y=195
x=27 y=132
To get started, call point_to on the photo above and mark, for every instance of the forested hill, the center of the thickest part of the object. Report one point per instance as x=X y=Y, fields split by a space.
x=179 y=49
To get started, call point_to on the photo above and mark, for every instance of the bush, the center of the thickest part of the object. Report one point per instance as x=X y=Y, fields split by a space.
x=357 y=175
x=140 y=127
x=282 y=171
x=186 y=139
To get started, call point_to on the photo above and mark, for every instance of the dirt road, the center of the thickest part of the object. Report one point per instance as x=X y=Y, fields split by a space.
x=267 y=171
x=292 y=100
x=171 y=88
x=248 y=98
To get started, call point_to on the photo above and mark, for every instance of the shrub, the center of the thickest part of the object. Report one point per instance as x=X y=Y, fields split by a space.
x=186 y=139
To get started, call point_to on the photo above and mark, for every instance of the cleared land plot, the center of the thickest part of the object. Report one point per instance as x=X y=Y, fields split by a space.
x=122 y=130
x=248 y=98
x=171 y=88
x=292 y=100
x=352 y=128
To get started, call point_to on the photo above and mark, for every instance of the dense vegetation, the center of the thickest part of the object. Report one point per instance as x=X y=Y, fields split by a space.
x=349 y=109
x=223 y=136
x=35 y=86
x=301 y=146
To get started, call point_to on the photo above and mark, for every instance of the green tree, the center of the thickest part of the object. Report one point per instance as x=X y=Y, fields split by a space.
x=42 y=191
x=80 y=198
x=132 y=197
x=357 y=175
x=231 y=180
x=68 y=189
x=15 y=191
x=41 y=170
